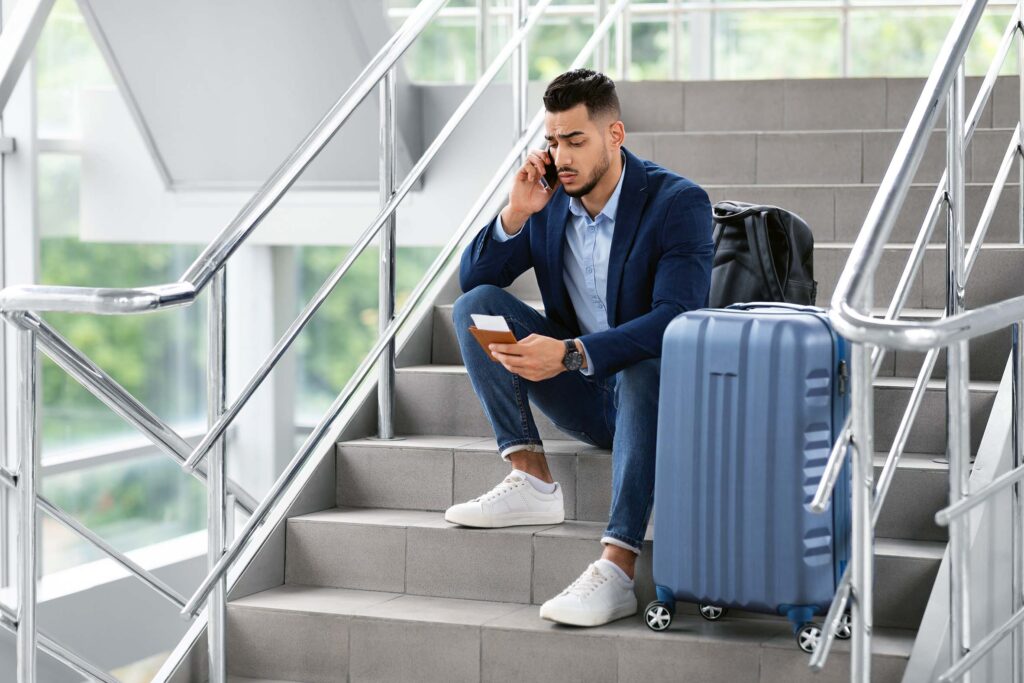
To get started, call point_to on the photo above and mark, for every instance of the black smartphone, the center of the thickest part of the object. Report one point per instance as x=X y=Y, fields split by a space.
x=550 y=179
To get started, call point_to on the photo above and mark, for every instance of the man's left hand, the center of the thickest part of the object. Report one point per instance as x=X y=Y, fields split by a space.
x=534 y=358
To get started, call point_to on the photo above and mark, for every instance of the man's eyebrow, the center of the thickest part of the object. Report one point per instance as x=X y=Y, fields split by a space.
x=565 y=136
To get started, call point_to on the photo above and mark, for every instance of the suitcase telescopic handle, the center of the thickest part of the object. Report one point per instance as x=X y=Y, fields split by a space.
x=775 y=304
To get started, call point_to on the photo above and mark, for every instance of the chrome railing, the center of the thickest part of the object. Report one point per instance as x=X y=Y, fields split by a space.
x=872 y=337
x=22 y=305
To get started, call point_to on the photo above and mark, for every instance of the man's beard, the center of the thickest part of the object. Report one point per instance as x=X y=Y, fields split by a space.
x=595 y=178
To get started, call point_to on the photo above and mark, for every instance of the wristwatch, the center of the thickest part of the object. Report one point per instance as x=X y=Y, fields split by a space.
x=573 y=359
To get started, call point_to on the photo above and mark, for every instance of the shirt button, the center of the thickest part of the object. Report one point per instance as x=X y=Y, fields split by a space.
x=590 y=270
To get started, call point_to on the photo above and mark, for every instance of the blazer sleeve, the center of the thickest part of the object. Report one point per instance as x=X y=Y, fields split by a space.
x=488 y=261
x=682 y=280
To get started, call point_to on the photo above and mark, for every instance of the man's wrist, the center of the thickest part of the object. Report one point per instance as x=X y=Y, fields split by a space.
x=513 y=221
x=579 y=347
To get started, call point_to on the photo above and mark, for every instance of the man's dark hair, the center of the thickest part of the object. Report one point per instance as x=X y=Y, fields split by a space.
x=583 y=86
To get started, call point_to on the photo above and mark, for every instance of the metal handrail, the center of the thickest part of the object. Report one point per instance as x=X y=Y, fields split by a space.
x=858 y=325
x=913 y=266
x=80 y=530
x=105 y=301
x=386 y=337
x=9 y=622
x=885 y=479
x=851 y=316
x=21 y=305
x=389 y=209
x=119 y=400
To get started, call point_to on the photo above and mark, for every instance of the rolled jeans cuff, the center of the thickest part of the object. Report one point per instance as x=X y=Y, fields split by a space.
x=611 y=540
x=534 y=447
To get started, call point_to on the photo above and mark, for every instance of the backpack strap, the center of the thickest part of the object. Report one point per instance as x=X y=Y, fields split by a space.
x=762 y=253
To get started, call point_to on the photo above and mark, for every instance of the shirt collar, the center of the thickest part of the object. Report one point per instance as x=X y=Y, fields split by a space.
x=610 y=207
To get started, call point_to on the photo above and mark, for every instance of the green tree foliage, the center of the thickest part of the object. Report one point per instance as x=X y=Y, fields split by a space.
x=345 y=328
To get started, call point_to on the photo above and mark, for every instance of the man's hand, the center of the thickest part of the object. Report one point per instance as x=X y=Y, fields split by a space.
x=534 y=358
x=527 y=195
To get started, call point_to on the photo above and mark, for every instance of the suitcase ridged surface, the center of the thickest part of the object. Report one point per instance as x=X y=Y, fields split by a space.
x=746 y=423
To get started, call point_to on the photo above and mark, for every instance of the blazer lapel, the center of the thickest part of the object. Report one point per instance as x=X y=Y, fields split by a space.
x=632 y=199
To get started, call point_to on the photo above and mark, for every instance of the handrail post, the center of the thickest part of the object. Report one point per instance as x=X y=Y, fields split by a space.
x=1017 y=399
x=957 y=375
x=27 y=440
x=862 y=531
x=1020 y=114
x=520 y=75
x=386 y=302
x=216 y=512
x=1017 y=449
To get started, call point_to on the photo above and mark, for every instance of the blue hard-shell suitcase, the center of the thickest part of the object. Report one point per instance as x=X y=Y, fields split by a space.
x=752 y=399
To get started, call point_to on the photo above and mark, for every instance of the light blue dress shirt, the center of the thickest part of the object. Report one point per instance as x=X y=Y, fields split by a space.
x=586 y=261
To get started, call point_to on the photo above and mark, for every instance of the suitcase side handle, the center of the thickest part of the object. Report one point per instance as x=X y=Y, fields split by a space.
x=752 y=305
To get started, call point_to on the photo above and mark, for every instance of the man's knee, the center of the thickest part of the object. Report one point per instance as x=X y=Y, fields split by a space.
x=640 y=380
x=480 y=299
x=642 y=371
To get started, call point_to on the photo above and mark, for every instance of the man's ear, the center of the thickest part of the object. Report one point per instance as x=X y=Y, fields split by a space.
x=617 y=131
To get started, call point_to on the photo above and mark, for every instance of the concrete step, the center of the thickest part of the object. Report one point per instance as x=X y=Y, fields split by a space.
x=835 y=213
x=988 y=353
x=439 y=399
x=809 y=157
x=433 y=472
x=419 y=553
x=799 y=104
x=331 y=634
x=992 y=279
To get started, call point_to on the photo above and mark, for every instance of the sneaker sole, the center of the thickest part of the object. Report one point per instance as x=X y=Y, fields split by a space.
x=577 y=619
x=520 y=519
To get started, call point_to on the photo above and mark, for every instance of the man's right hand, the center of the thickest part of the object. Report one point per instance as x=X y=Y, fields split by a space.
x=527 y=196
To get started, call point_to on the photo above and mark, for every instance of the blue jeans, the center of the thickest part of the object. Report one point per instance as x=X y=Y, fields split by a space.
x=619 y=412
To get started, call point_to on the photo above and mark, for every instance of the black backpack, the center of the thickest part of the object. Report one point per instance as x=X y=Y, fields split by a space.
x=762 y=253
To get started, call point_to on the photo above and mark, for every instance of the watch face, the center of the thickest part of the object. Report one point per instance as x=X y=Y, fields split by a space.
x=573 y=359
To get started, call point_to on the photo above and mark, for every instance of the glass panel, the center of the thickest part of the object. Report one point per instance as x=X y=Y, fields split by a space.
x=652 y=53
x=444 y=53
x=907 y=42
x=130 y=504
x=159 y=357
x=556 y=42
x=776 y=45
x=345 y=328
x=67 y=61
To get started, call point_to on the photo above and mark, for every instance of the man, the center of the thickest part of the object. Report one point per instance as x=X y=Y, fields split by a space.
x=619 y=247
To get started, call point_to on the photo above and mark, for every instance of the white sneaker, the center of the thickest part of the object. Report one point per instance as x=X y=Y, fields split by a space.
x=597 y=597
x=513 y=502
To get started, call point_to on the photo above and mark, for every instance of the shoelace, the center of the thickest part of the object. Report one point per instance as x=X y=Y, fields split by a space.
x=587 y=582
x=506 y=485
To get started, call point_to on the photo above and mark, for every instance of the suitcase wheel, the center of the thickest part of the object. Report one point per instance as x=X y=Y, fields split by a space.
x=712 y=612
x=658 y=616
x=808 y=637
x=845 y=628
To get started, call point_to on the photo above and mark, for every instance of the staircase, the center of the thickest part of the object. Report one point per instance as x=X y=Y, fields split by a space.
x=381 y=588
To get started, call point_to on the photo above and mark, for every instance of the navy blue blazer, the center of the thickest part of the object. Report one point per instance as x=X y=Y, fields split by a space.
x=659 y=266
